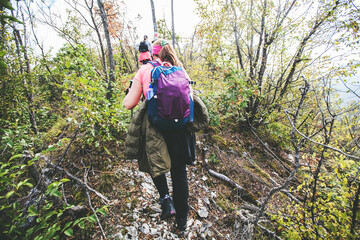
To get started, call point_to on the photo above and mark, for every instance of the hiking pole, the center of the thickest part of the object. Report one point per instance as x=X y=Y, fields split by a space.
x=126 y=92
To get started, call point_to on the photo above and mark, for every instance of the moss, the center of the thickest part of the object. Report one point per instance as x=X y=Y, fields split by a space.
x=55 y=130
x=220 y=141
x=230 y=123
x=221 y=203
x=107 y=181
x=249 y=197
x=80 y=196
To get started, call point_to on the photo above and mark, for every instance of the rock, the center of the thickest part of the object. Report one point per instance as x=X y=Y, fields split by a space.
x=196 y=225
x=145 y=228
x=156 y=209
x=203 y=212
x=135 y=216
x=154 y=215
x=291 y=158
x=153 y=231
x=205 y=228
x=132 y=233
x=190 y=222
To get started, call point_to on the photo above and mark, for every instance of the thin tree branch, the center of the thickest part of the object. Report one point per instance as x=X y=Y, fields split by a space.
x=324 y=145
x=81 y=183
x=97 y=218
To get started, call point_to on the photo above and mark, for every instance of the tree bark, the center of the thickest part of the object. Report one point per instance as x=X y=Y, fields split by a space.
x=172 y=23
x=95 y=27
x=110 y=51
x=154 y=19
x=27 y=79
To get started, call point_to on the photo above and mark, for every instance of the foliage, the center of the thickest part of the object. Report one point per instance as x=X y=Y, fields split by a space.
x=43 y=219
x=277 y=49
x=249 y=60
x=330 y=215
x=83 y=91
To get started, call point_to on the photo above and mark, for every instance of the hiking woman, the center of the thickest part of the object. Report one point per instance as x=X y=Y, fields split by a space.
x=180 y=144
x=145 y=49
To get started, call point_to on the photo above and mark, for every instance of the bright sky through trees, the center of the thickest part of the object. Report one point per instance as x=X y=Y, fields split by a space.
x=139 y=12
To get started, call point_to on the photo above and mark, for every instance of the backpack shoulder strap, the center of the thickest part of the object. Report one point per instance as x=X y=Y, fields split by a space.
x=155 y=63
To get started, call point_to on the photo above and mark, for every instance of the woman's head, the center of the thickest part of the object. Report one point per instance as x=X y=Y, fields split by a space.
x=163 y=50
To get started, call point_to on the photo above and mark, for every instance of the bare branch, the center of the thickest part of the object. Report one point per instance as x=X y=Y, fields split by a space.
x=351 y=90
x=271 y=153
x=236 y=36
x=97 y=218
x=271 y=233
x=81 y=183
x=324 y=145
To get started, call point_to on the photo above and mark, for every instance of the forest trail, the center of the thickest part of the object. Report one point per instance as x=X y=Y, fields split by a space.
x=140 y=217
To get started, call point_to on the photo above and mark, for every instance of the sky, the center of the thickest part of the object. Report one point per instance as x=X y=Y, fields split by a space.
x=184 y=16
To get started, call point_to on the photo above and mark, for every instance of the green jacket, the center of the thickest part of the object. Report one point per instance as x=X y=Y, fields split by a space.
x=146 y=144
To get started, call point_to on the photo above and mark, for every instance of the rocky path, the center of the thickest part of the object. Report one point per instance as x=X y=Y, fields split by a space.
x=140 y=217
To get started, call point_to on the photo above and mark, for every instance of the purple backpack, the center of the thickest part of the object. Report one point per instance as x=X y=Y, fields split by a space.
x=170 y=106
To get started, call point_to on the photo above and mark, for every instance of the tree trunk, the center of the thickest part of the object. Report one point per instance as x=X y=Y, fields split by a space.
x=95 y=26
x=173 y=24
x=110 y=51
x=154 y=19
x=28 y=86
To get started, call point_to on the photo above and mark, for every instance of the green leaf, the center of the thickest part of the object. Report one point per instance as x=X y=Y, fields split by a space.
x=51 y=148
x=6 y=4
x=64 y=180
x=81 y=225
x=33 y=211
x=69 y=232
x=107 y=151
x=102 y=211
x=92 y=218
x=78 y=221
x=68 y=224
x=56 y=193
x=2 y=53
x=16 y=156
x=25 y=183
x=11 y=18
x=9 y=194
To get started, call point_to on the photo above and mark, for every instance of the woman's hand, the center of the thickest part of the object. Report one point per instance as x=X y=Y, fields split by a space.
x=133 y=97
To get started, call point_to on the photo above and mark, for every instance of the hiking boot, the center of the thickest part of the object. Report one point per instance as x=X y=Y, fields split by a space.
x=181 y=224
x=167 y=207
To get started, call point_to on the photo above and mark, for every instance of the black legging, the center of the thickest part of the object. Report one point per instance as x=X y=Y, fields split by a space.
x=180 y=189
x=181 y=152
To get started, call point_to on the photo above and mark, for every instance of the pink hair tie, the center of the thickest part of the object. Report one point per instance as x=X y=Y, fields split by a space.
x=156 y=49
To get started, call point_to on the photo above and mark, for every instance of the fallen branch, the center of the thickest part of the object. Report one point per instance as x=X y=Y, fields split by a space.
x=244 y=194
x=271 y=233
x=66 y=150
x=97 y=219
x=81 y=183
